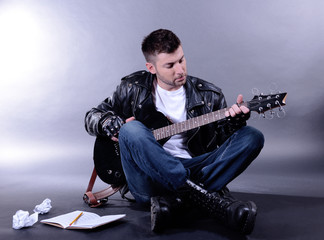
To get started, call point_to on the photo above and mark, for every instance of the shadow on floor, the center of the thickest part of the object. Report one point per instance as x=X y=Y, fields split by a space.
x=279 y=217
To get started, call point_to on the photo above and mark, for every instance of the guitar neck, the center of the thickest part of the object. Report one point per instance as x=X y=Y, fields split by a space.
x=189 y=124
x=259 y=104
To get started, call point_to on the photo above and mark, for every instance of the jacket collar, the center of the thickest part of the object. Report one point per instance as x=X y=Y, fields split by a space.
x=194 y=98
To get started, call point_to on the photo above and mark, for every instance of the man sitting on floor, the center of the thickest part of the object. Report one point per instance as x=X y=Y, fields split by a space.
x=192 y=167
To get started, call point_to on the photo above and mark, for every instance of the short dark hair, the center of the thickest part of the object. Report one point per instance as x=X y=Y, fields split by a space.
x=159 y=41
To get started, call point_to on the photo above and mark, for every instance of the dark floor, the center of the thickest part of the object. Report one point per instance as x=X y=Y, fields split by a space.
x=279 y=217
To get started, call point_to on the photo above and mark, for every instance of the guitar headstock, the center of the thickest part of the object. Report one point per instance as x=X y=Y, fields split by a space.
x=262 y=103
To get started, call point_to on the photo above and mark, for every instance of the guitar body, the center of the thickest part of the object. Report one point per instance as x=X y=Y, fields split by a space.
x=106 y=153
x=107 y=161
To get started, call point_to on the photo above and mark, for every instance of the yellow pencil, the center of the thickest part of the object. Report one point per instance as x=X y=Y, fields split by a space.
x=76 y=218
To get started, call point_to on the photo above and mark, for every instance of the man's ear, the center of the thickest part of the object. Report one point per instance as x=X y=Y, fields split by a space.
x=150 y=67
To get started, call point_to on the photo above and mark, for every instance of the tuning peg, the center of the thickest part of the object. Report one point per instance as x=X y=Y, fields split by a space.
x=262 y=115
x=254 y=115
x=273 y=87
x=255 y=91
x=270 y=115
x=281 y=113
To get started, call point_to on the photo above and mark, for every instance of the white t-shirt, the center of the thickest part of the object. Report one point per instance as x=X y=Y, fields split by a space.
x=173 y=105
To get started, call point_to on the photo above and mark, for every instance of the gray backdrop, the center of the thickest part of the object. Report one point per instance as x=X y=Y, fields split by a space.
x=60 y=58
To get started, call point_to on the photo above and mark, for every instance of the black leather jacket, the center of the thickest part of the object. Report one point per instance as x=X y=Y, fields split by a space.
x=133 y=97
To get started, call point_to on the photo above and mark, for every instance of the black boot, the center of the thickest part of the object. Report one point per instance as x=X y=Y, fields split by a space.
x=223 y=207
x=225 y=193
x=164 y=210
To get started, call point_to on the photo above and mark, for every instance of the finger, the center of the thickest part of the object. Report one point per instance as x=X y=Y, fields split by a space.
x=239 y=99
x=114 y=139
x=227 y=114
x=130 y=119
x=232 y=112
x=236 y=109
x=244 y=109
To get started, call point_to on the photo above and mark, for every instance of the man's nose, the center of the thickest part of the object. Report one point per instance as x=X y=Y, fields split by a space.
x=179 y=68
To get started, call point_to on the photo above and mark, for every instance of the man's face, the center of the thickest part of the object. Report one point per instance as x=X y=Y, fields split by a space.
x=170 y=69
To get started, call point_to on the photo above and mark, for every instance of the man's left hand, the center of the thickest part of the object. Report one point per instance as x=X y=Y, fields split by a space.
x=236 y=109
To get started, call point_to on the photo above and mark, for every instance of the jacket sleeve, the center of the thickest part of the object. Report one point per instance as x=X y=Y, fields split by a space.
x=108 y=108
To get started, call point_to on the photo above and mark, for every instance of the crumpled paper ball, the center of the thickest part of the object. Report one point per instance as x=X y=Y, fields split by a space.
x=44 y=207
x=22 y=219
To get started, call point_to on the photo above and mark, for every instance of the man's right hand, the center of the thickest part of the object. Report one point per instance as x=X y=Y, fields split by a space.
x=112 y=126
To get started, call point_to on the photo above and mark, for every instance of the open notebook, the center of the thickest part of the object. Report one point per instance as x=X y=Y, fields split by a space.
x=86 y=220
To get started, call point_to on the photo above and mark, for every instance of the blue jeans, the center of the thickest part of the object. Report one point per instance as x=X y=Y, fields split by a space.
x=151 y=171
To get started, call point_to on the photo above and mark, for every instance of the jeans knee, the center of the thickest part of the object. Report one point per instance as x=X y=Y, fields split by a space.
x=258 y=137
x=255 y=137
x=131 y=129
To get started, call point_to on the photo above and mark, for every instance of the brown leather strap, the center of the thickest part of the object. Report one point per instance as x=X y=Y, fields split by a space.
x=92 y=180
x=98 y=198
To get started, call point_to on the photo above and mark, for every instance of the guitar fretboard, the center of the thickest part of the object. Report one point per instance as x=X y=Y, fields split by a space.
x=189 y=124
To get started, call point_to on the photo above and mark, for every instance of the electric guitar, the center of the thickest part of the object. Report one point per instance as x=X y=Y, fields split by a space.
x=106 y=152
